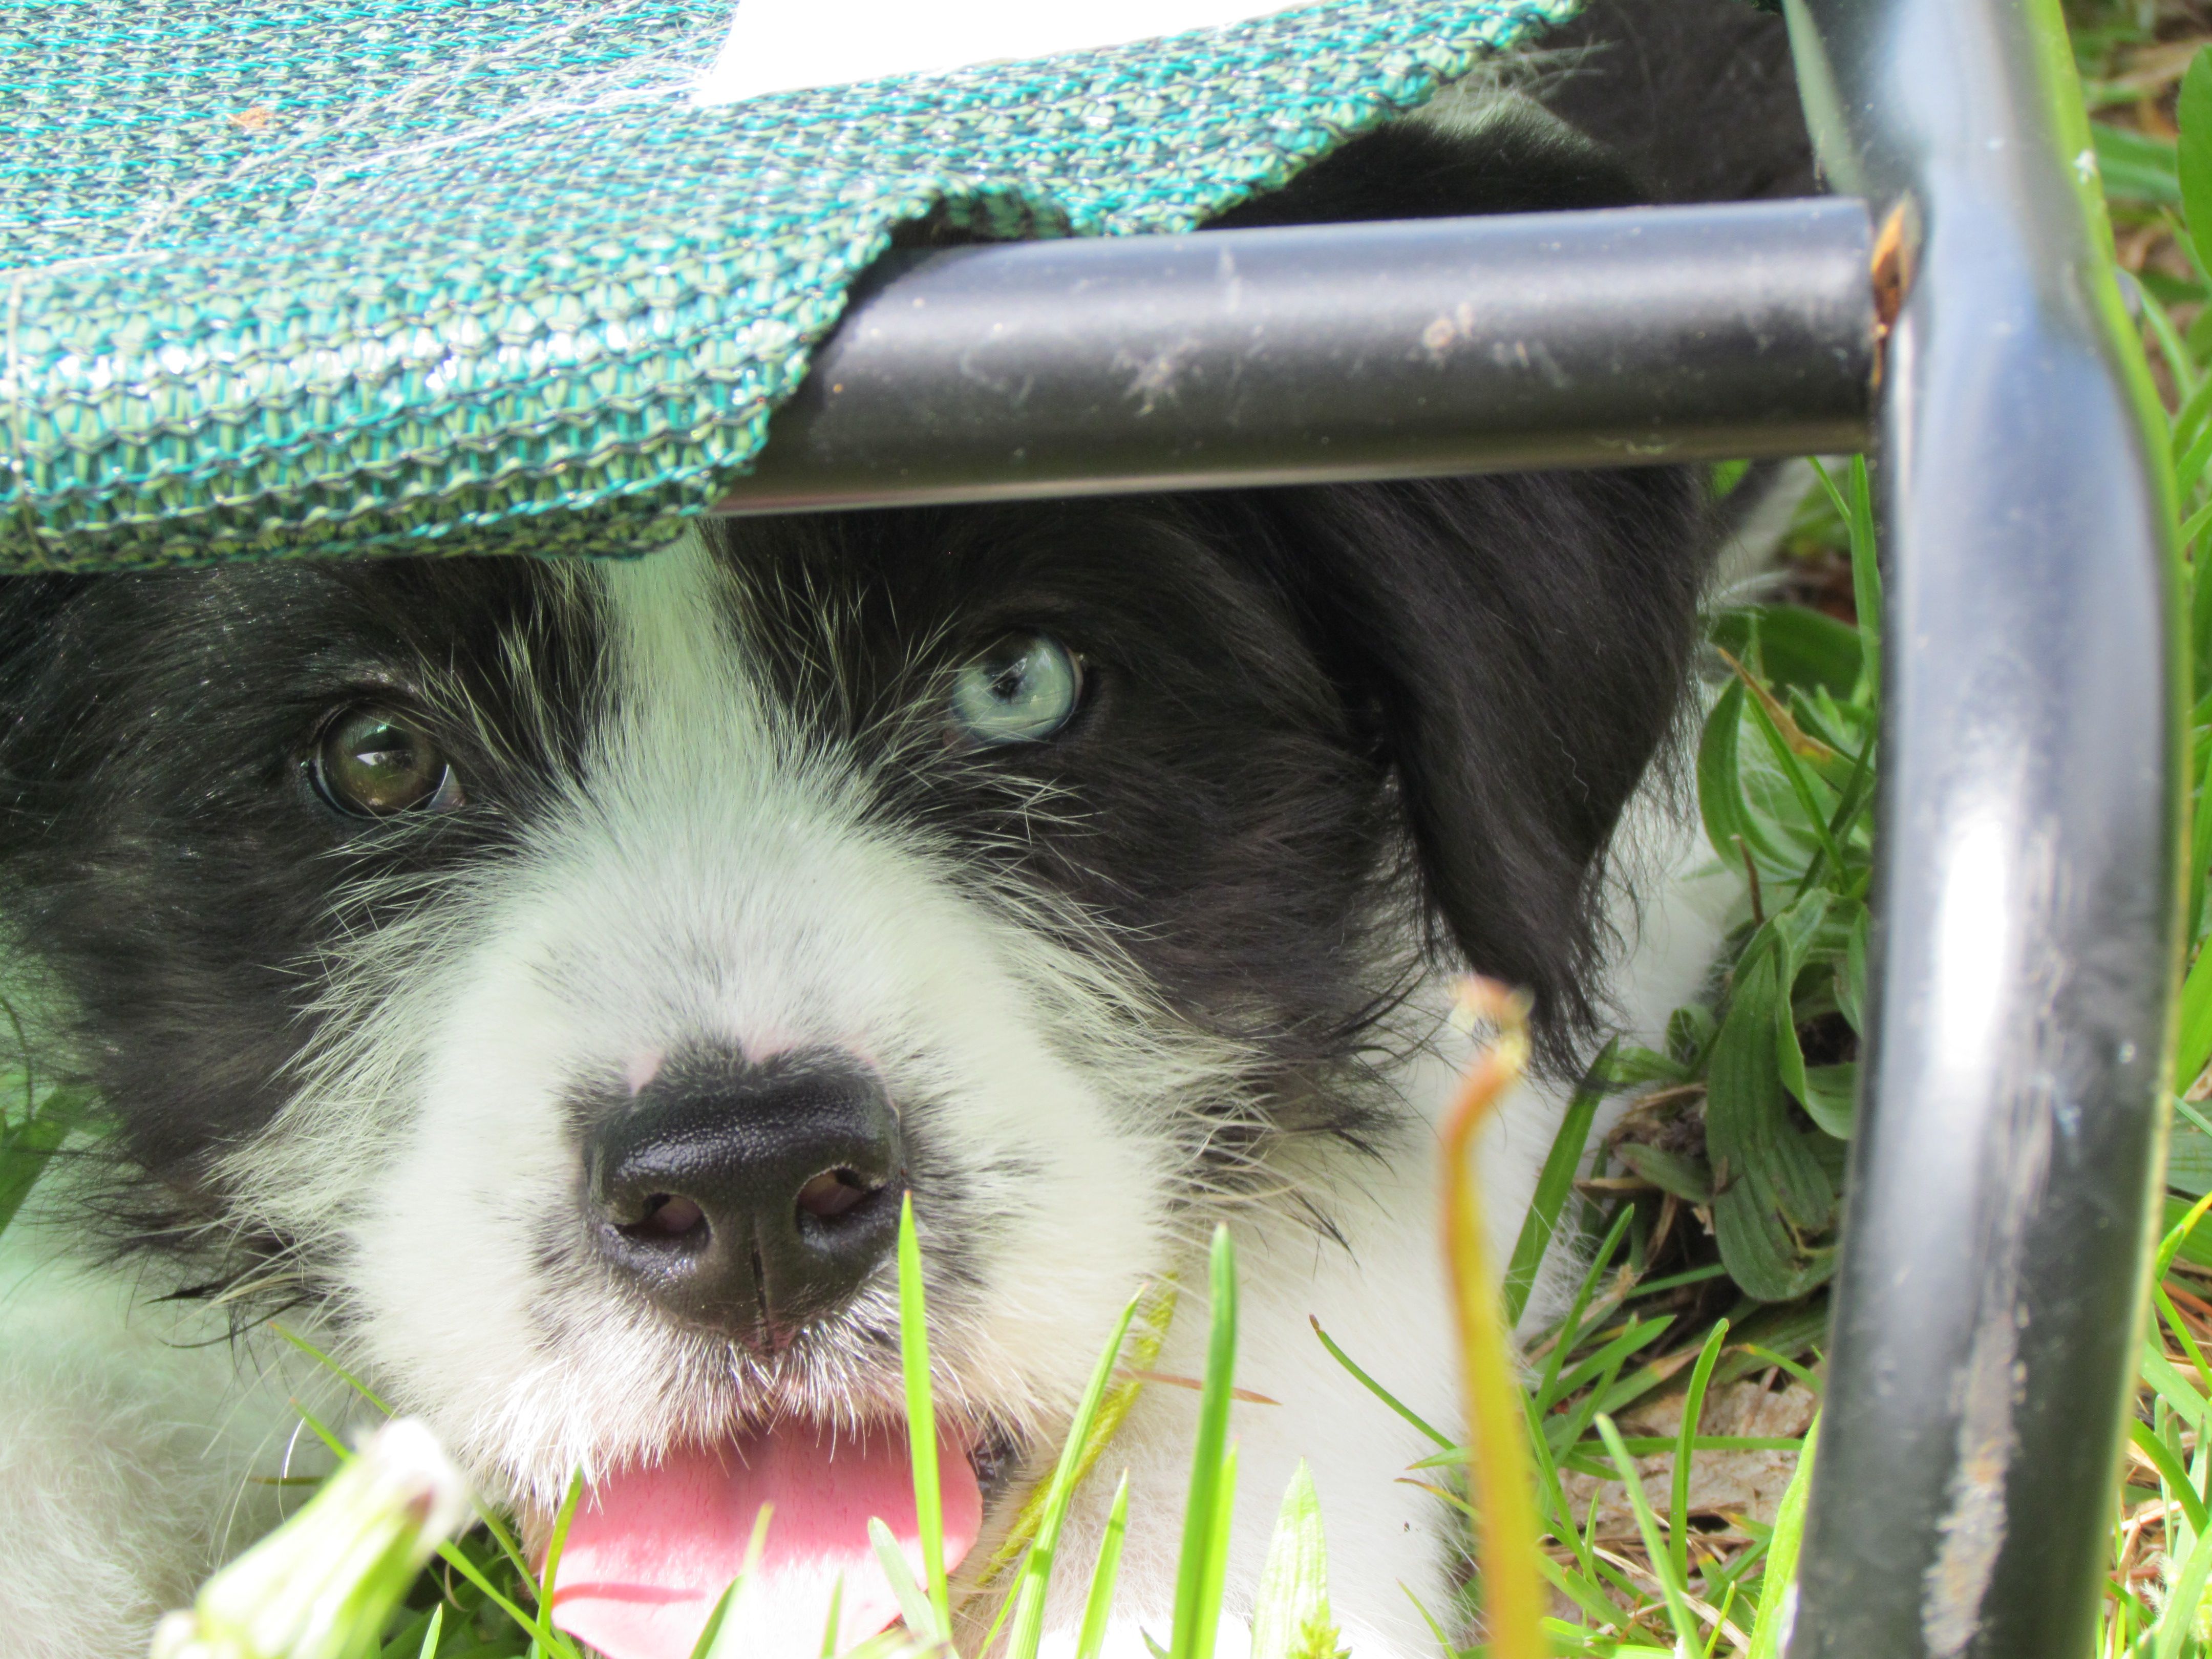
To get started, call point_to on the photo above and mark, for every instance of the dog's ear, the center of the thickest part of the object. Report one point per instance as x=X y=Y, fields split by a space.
x=1516 y=650
x=1520 y=646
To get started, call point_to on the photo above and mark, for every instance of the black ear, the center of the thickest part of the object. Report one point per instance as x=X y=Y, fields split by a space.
x=1518 y=648
x=1522 y=645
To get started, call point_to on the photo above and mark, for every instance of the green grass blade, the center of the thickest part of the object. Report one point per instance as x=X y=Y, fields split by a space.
x=331 y=1365
x=915 y=1605
x=437 y=1629
x=1677 y=1506
x=1554 y=1186
x=749 y=1564
x=2177 y=1625
x=1036 y=1570
x=1200 y=1529
x=922 y=1417
x=1570 y=1328
x=1662 y=1564
x=1378 y=1389
x=829 y=1623
x=711 y=1631
x=2179 y=1488
x=558 y=1542
x=1098 y=1606
x=1208 y=1622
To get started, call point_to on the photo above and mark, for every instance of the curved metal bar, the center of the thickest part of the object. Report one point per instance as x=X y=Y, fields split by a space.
x=2010 y=1138
x=1320 y=353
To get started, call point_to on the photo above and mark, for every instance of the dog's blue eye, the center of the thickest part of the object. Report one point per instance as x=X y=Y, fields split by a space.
x=1023 y=689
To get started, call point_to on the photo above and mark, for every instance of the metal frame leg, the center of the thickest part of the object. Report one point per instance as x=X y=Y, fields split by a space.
x=2011 y=1135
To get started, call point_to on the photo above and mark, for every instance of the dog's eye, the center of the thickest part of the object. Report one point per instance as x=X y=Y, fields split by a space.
x=373 y=763
x=1023 y=689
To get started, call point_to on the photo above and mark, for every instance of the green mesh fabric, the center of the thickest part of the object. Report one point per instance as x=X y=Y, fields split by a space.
x=291 y=276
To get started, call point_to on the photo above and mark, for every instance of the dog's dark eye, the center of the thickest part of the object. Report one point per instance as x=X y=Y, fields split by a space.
x=373 y=763
x=1023 y=689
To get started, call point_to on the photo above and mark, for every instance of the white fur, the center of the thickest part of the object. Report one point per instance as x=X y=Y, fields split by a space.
x=714 y=877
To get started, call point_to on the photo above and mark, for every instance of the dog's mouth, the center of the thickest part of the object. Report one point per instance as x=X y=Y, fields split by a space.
x=653 y=1547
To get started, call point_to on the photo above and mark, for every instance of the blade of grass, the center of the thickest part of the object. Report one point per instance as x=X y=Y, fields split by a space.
x=437 y=1629
x=1679 y=1615
x=1376 y=1388
x=1098 y=1606
x=915 y=1607
x=829 y=1623
x=712 y=1630
x=1200 y=1527
x=2176 y=1624
x=1678 y=1501
x=1569 y=1331
x=1554 y=1185
x=921 y=1418
x=2179 y=1488
x=1036 y=1570
x=554 y=1546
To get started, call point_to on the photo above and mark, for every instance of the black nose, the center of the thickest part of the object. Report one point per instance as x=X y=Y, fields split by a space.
x=749 y=1199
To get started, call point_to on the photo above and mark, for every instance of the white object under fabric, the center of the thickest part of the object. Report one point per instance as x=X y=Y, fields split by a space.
x=783 y=46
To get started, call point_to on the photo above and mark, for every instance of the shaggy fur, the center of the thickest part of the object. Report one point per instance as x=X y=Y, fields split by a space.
x=1180 y=961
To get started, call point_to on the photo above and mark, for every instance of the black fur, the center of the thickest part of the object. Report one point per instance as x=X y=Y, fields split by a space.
x=1310 y=713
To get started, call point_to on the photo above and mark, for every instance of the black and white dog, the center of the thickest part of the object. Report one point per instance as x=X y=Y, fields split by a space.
x=545 y=981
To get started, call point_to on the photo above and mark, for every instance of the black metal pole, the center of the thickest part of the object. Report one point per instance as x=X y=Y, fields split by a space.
x=2010 y=1135
x=1317 y=353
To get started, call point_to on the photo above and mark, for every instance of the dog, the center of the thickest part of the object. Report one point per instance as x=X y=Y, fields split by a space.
x=541 y=984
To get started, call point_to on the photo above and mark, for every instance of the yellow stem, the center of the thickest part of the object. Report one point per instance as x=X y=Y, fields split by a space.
x=1512 y=1590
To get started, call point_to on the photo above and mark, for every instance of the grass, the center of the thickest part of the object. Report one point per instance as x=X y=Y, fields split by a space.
x=1706 y=1223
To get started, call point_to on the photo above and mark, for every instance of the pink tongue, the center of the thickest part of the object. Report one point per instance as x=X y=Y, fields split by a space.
x=651 y=1550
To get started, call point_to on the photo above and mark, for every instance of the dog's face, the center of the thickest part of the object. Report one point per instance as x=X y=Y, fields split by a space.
x=561 y=972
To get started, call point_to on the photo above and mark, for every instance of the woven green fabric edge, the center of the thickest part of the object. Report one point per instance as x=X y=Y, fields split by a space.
x=220 y=468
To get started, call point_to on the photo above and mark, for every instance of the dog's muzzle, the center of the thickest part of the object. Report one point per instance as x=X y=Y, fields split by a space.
x=749 y=1199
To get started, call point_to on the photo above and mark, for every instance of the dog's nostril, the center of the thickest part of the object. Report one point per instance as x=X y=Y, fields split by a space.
x=750 y=1199
x=668 y=1216
x=835 y=1193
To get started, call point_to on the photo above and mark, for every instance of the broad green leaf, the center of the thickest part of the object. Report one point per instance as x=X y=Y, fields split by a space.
x=1765 y=1177
x=1797 y=930
x=2189 y=1161
x=1831 y=1098
x=1637 y=1068
x=1686 y=1177
x=1798 y=647
x=2136 y=168
x=1851 y=978
x=24 y=1153
x=1690 y=1032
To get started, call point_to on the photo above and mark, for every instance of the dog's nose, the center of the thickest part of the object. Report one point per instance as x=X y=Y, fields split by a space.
x=749 y=1199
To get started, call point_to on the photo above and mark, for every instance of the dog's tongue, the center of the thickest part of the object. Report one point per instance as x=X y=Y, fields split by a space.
x=651 y=1550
